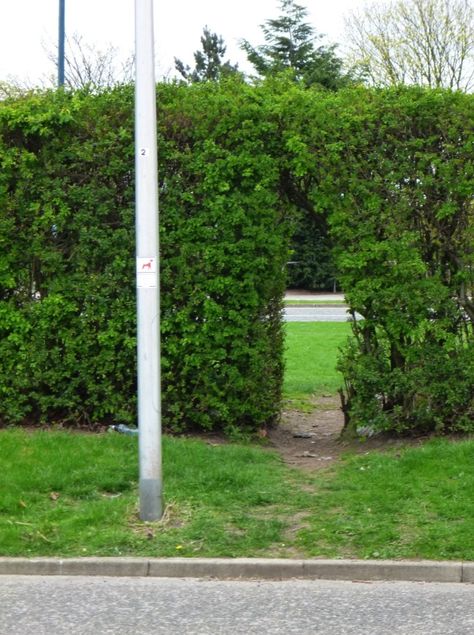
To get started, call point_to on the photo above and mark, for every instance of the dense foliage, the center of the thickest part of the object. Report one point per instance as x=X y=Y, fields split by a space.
x=390 y=172
x=312 y=265
x=405 y=231
x=67 y=312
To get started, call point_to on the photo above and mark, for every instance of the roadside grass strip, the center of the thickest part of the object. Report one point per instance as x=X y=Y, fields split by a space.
x=416 y=502
x=74 y=494
x=290 y=302
x=70 y=494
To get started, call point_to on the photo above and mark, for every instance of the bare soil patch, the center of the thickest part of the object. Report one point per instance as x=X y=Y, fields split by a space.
x=312 y=441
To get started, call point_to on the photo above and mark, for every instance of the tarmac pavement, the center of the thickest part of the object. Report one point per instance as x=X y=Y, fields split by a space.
x=78 y=605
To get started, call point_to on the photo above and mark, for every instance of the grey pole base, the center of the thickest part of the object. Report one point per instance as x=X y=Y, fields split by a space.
x=151 y=499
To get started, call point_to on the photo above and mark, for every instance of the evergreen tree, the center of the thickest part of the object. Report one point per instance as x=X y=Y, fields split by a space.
x=209 y=64
x=291 y=45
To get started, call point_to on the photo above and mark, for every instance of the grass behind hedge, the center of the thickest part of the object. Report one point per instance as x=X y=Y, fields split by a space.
x=311 y=355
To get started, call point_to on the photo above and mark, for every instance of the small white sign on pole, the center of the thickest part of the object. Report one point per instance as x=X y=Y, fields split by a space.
x=147 y=273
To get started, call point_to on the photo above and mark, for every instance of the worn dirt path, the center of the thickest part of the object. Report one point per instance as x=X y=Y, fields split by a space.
x=312 y=441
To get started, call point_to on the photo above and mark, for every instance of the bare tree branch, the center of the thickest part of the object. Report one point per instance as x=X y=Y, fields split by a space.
x=86 y=66
x=425 y=42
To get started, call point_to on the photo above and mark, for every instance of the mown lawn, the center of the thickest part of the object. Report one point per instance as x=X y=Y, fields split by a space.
x=311 y=355
x=416 y=502
x=76 y=494
x=69 y=494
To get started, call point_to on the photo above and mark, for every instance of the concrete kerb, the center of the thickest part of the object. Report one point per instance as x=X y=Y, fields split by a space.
x=245 y=569
x=468 y=572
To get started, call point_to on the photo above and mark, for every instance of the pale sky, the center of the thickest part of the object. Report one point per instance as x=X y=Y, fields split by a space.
x=28 y=26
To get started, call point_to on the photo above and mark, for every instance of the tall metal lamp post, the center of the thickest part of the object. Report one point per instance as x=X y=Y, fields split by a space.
x=61 y=39
x=147 y=267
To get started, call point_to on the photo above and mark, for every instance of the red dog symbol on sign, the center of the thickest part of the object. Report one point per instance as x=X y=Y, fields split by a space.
x=147 y=265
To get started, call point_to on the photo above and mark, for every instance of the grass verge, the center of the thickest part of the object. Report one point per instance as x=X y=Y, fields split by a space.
x=67 y=494
x=409 y=503
x=76 y=494
x=311 y=356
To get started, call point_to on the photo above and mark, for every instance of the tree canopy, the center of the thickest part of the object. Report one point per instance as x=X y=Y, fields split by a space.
x=209 y=64
x=291 y=45
x=422 y=42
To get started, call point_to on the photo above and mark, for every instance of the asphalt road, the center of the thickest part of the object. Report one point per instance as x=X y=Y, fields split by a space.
x=98 y=606
x=316 y=314
x=320 y=313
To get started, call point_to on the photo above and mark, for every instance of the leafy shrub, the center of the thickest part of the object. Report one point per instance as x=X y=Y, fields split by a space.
x=388 y=172
x=405 y=237
x=391 y=173
x=67 y=316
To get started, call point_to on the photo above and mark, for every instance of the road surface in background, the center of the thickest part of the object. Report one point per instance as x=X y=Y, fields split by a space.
x=316 y=314
x=323 y=313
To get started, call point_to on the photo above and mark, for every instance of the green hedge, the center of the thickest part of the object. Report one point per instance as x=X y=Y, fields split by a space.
x=394 y=172
x=405 y=233
x=67 y=311
x=389 y=172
